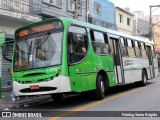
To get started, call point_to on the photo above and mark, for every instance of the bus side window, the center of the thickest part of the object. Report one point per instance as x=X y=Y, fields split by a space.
x=153 y=52
x=130 y=48
x=100 y=43
x=77 y=44
x=123 y=47
x=137 y=49
x=143 y=50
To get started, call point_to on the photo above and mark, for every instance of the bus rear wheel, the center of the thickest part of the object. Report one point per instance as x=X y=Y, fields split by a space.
x=57 y=97
x=144 y=78
x=100 y=88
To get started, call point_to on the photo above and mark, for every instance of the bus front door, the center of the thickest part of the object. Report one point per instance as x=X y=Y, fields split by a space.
x=80 y=61
x=117 y=60
x=151 y=63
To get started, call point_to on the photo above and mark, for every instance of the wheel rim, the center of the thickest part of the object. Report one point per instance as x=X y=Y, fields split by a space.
x=102 y=87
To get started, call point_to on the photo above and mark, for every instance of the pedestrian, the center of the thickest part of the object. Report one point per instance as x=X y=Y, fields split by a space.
x=13 y=96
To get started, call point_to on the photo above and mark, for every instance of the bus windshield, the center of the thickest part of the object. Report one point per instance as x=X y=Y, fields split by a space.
x=37 y=51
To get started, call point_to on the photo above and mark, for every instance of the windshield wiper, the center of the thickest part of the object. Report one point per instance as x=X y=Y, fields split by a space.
x=43 y=39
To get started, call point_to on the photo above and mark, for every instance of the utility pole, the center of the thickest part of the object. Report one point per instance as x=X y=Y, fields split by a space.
x=76 y=10
x=87 y=10
x=150 y=23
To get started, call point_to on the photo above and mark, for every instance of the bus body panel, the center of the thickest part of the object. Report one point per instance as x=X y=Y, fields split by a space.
x=82 y=76
x=133 y=68
x=59 y=84
x=156 y=66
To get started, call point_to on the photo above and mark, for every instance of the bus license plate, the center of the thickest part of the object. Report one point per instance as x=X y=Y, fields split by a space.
x=35 y=87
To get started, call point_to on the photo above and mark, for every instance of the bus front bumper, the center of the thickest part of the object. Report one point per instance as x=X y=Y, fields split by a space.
x=60 y=84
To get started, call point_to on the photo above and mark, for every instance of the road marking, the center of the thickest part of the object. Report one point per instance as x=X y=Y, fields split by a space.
x=100 y=102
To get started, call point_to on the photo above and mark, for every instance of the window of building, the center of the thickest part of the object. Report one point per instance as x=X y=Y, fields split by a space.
x=129 y=21
x=57 y=3
x=100 y=43
x=120 y=18
x=97 y=8
x=77 y=44
x=71 y=5
x=80 y=7
x=16 y=5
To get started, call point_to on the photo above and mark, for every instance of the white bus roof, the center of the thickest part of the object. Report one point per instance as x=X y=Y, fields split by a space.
x=139 y=38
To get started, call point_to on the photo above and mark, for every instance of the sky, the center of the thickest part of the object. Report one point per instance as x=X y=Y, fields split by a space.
x=137 y=5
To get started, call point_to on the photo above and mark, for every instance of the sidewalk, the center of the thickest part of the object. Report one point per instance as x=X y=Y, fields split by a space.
x=6 y=102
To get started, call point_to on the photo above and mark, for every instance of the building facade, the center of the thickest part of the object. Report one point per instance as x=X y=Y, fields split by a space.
x=157 y=38
x=124 y=21
x=13 y=14
x=138 y=14
x=141 y=27
x=102 y=13
x=59 y=8
x=155 y=19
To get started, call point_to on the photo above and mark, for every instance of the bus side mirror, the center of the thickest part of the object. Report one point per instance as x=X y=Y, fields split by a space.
x=7 y=49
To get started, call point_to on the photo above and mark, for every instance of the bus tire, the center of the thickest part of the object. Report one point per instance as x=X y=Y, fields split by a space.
x=100 y=88
x=144 y=78
x=57 y=97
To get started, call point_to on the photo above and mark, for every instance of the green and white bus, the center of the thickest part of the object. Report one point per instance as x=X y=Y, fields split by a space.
x=62 y=55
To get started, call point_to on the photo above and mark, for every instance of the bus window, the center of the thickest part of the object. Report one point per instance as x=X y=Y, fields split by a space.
x=98 y=37
x=130 y=48
x=100 y=43
x=142 y=46
x=77 y=44
x=143 y=50
x=123 y=47
x=153 y=52
x=137 y=49
x=129 y=43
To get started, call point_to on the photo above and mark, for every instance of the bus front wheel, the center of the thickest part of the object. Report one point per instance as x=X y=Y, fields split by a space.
x=100 y=88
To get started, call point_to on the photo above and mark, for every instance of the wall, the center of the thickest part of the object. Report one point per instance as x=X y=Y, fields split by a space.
x=123 y=27
x=155 y=19
x=157 y=38
x=9 y=26
x=107 y=14
x=48 y=10
x=141 y=27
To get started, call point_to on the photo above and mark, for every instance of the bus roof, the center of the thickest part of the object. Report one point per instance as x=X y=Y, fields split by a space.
x=88 y=25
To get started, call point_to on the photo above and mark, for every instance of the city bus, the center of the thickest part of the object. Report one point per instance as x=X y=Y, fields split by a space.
x=60 y=56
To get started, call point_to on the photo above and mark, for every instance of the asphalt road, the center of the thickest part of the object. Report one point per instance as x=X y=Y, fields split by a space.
x=124 y=98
